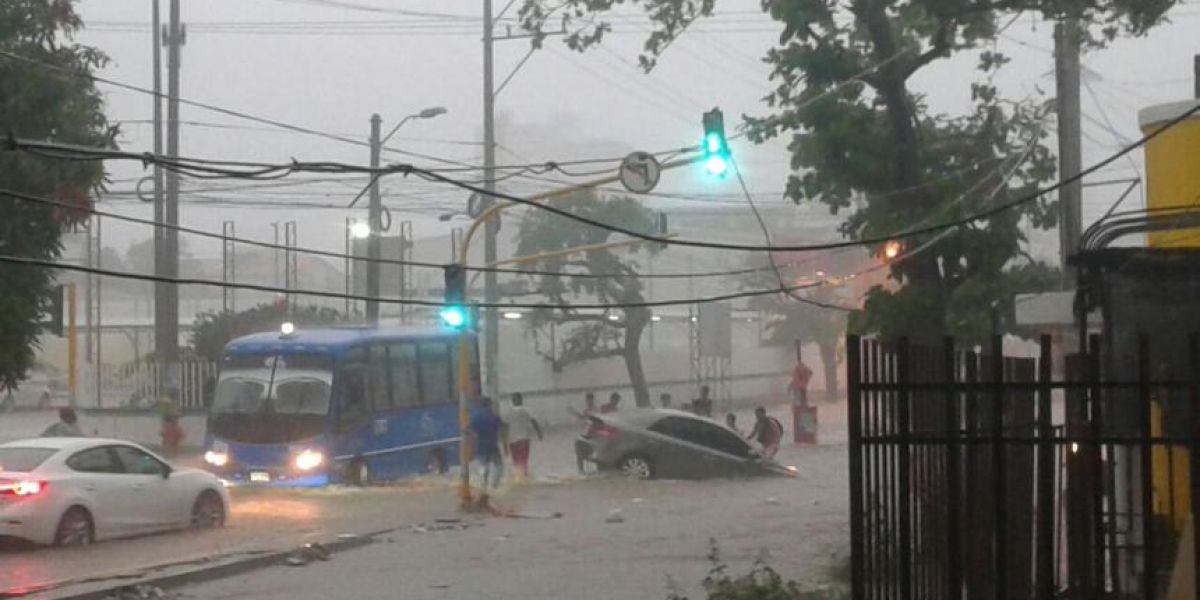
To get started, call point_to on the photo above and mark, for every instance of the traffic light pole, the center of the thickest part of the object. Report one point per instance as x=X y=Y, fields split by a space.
x=464 y=337
x=375 y=218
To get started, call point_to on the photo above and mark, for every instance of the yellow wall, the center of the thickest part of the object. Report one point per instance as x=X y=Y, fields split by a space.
x=1172 y=174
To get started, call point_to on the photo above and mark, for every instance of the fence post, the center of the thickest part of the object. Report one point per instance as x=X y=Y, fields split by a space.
x=1147 y=467
x=854 y=427
x=1000 y=489
x=954 y=520
x=903 y=408
x=1045 y=477
x=1194 y=451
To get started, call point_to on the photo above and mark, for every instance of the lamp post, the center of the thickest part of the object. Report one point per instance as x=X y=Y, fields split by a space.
x=375 y=209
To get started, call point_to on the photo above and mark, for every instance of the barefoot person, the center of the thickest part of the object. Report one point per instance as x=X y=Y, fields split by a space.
x=487 y=436
x=521 y=428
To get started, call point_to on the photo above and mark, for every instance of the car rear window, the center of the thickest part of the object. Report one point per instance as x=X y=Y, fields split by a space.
x=23 y=460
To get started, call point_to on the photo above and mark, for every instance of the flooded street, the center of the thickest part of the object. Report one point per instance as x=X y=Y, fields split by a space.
x=664 y=530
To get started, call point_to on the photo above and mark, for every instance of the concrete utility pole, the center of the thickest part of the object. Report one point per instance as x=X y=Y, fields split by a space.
x=375 y=219
x=166 y=307
x=1070 y=151
x=491 y=329
x=160 y=262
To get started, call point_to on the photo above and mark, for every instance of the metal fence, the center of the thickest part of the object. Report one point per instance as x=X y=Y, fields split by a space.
x=974 y=475
x=139 y=383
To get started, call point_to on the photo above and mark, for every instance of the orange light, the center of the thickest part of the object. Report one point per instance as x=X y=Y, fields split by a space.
x=892 y=249
x=23 y=488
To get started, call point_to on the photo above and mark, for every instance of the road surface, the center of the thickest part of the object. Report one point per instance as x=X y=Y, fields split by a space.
x=666 y=531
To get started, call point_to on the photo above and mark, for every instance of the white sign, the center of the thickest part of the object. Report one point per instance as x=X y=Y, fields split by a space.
x=640 y=172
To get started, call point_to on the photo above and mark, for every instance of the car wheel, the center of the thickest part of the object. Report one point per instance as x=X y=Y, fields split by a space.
x=208 y=511
x=636 y=466
x=360 y=473
x=436 y=463
x=75 y=528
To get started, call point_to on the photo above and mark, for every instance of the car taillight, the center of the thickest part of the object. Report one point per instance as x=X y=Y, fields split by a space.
x=22 y=488
x=601 y=431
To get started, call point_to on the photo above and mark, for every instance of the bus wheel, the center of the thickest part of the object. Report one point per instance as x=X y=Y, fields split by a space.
x=436 y=463
x=360 y=473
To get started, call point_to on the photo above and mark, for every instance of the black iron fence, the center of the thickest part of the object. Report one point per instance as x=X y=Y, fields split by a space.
x=979 y=476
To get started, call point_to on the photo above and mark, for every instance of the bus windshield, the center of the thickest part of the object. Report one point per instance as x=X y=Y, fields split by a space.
x=295 y=385
x=272 y=399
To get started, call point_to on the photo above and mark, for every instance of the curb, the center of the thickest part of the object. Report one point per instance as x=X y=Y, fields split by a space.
x=209 y=573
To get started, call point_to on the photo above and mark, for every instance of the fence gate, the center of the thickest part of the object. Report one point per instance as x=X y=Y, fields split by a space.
x=978 y=476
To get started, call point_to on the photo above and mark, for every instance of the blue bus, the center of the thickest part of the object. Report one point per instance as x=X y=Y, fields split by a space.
x=340 y=405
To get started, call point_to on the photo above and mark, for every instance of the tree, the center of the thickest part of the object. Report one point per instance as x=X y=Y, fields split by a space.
x=215 y=329
x=789 y=320
x=39 y=103
x=589 y=335
x=858 y=132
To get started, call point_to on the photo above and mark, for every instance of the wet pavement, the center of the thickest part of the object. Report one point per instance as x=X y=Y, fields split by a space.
x=664 y=521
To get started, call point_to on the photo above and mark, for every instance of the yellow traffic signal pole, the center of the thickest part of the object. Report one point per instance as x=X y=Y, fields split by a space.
x=464 y=338
x=72 y=343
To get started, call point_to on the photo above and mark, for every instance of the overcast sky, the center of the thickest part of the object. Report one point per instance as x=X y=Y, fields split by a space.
x=328 y=68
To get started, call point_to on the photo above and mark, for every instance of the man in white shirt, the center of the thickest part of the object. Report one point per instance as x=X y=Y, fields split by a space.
x=521 y=427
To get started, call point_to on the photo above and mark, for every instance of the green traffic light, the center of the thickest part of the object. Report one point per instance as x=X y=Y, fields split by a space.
x=716 y=165
x=453 y=316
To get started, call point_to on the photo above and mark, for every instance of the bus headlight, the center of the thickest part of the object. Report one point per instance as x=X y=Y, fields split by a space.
x=308 y=460
x=216 y=459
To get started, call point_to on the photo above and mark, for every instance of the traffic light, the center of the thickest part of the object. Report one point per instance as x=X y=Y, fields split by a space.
x=454 y=310
x=716 y=147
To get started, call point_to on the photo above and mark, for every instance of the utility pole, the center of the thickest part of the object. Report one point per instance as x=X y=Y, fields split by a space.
x=160 y=262
x=166 y=308
x=491 y=330
x=1070 y=152
x=375 y=219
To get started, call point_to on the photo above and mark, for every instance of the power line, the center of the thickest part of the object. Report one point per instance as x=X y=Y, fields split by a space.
x=329 y=254
x=210 y=168
x=224 y=111
x=37 y=262
x=832 y=245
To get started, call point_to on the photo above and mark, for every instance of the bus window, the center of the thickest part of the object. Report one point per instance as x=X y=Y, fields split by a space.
x=406 y=390
x=378 y=377
x=436 y=375
x=352 y=409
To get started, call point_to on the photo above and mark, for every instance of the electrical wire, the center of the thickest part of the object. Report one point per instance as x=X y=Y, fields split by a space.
x=328 y=254
x=901 y=235
x=37 y=262
x=762 y=223
x=258 y=170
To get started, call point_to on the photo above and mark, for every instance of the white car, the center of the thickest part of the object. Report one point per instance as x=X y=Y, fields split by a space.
x=73 y=491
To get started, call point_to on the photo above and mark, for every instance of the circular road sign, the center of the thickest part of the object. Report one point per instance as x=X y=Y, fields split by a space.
x=640 y=172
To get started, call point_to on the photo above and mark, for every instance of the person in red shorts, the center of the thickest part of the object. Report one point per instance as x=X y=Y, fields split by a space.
x=521 y=428
x=172 y=435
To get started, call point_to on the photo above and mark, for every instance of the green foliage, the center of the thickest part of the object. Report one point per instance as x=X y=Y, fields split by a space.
x=583 y=336
x=763 y=582
x=863 y=144
x=790 y=320
x=215 y=329
x=37 y=103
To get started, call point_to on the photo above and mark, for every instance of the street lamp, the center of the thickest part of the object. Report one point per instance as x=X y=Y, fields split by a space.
x=375 y=210
x=360 y=230
x=428 y=113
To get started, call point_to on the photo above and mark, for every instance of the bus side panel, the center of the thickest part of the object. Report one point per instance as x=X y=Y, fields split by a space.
x=404 y=441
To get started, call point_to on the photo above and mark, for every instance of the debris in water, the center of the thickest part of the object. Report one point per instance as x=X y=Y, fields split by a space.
x=614 y=516
x=637 y=500
x=773 y=501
